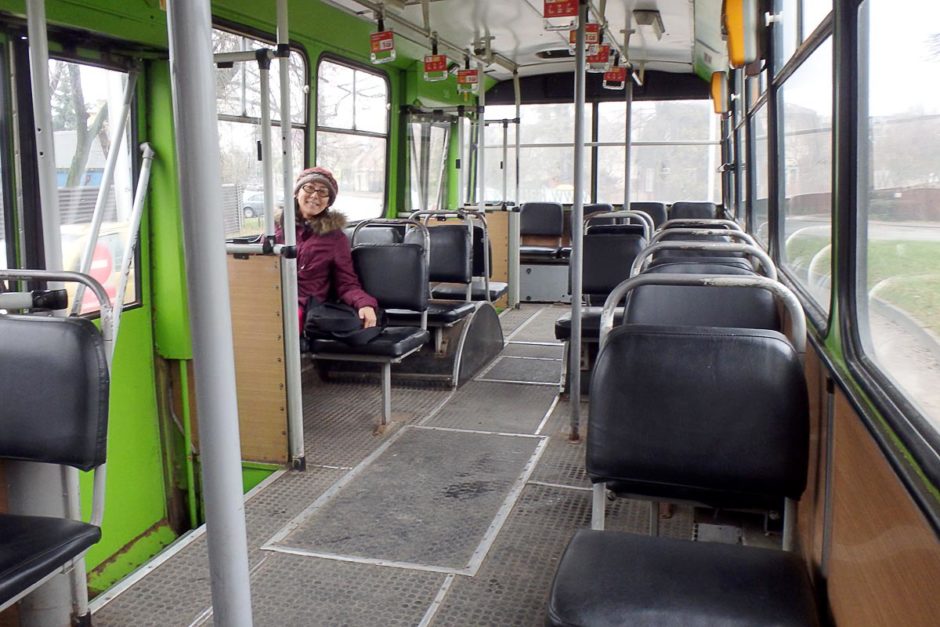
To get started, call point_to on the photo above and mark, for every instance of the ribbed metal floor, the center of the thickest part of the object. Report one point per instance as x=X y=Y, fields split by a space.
x=359 y=485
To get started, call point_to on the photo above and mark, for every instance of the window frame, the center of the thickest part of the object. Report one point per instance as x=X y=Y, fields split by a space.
x=902 y=430
x=99 y=52
x=314 y=109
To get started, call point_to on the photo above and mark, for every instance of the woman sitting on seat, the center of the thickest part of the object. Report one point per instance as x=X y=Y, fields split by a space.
x=324 y=262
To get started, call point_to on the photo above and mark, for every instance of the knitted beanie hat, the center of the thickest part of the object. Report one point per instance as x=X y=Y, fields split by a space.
x=319 y=175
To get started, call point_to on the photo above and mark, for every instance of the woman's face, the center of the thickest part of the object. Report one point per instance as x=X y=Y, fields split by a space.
x=313 y=199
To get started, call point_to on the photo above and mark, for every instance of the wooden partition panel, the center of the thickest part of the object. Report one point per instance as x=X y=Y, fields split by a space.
x=812 y=505
x=258 y=335
x=497 y=226
x=884 y=567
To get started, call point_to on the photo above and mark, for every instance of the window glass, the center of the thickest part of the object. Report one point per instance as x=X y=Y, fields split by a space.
x=813 y=13
x=898 y=286
x=238 y=104
x=86 y=106
x=806 y=167
x=427 y=160
x=675 y=156
x=760 y=213
x=740 y=171
x=546 y=137
x=785 y=30
x=352 y=136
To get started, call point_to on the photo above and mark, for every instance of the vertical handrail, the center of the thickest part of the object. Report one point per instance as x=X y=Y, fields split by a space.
x=133 y=232
x=289 y=299
x=97 y=217
x=267 y=163
x=577 y=226
x=45 y=485
x=514 y=217
x=189 y=24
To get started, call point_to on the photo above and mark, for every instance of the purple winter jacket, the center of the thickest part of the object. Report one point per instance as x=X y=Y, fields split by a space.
x=324 y=263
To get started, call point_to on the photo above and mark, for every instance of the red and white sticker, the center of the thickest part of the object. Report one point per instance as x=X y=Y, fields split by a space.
x=602 y=56
x=468 y=77
x=435 y=63
x=382 y=41
x=560 y=8
x=592 y=35
x=616 y=74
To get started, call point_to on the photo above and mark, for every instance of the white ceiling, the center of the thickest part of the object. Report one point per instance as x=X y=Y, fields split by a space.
x=517 y=32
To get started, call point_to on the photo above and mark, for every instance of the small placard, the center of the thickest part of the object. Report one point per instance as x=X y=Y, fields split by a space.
x=435 y=63
x=382 y=41
x=560 y=8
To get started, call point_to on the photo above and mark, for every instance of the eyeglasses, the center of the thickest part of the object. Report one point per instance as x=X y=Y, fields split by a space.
x=322 y=192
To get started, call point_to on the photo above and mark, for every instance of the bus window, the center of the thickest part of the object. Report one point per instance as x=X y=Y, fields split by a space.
x=760 y=214
x=814 y=11
x=238 y=102
x=352 y=136
x=86 y=104
x=898 y=249
x=546 y=138
x=805 y=166
x=786 y=34
x=676 y=151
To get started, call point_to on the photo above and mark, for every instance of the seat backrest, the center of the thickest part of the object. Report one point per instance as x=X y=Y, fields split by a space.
x=596 y=208
x=607 y=260
x=395 y=274
x=706 y=306
x=695 y=210
x=479 y=269
x=54 y=386
x=655 y=210
x=451 y=257
x=668 y=236
x=375 y=234
x=542 y=218
x=700 y=410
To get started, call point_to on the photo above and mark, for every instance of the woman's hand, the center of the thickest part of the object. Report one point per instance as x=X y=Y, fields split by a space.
x=367 y=315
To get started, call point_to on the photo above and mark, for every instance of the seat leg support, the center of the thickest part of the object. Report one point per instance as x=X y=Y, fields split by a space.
x=654 y=518
x=386 y=393
x=598 y=505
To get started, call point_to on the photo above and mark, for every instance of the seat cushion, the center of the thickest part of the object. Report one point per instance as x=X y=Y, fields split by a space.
x=611 y=578
x=31 y=547
x=459 y=292
x=590 y=324
x=539 y=252
x=393 y=342
x=440 y=314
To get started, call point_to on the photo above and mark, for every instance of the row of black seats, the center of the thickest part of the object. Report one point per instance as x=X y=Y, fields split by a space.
x=424 y=278
x=544 y=222
x=698 y=402
x=54 y=382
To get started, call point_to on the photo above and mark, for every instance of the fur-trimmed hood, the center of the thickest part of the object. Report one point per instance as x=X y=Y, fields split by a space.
x=327 y=222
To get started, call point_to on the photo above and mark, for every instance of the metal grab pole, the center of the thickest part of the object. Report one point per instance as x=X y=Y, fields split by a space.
x=577 y=226
x=515 y=216
x=37 y=489
x=295 y=408
x=627 y=142
x=193 y=87
x=267 y=163
x=106 y=177
x=133 y=233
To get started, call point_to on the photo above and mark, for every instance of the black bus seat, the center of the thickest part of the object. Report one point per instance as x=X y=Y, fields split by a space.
x=658 y=429
x=608 y=258
x=375 y=234
x=482 y=272
x=54 y=384
x=588 y=210
x=693 y=209
x=700 y=223
x=543 y=220
x=712 y=254
x=655 y=210
x=397 y=276
x=449 y=262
